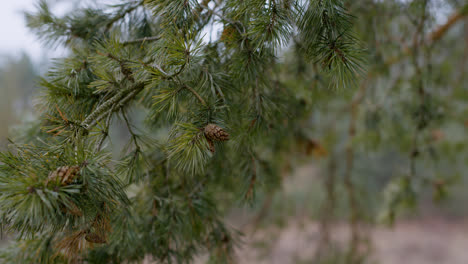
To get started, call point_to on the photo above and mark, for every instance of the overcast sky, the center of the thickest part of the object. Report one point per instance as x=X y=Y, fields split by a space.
x=16 y=38
x=14 y=34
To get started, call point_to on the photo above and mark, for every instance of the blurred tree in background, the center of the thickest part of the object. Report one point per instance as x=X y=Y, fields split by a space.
x=221 y=100
x=17 y=83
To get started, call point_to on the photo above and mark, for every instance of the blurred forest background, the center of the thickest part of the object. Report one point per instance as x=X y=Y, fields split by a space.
x=283 y=226
x=18 y=79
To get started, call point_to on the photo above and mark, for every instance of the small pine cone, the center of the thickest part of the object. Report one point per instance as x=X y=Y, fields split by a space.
x=95 y=238
x=215 y=133
x=64 y=175
x=72 y=209
x=101 y=228
x=127 y=72
x=230 y=35
x=211 y=145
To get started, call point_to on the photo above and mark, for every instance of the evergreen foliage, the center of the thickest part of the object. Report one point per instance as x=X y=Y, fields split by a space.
x=220 y=98
x=216 y=96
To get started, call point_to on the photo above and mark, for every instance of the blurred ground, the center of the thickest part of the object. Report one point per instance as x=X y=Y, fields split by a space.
x=434 y=241
x=289 y=236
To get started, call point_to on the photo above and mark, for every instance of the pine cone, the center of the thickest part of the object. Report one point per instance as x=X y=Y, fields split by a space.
x=215 y=133
x=72 y=209
x=100 y=228
x=64 y=175
x=230 y=35
x=211 y=145
x=95 y=238
x=127 y=72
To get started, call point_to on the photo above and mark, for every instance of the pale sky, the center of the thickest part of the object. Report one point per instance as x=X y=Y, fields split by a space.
x=14 y=35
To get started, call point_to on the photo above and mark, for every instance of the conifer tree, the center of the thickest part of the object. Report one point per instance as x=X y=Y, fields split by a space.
x=219 y=99
x=199 y=86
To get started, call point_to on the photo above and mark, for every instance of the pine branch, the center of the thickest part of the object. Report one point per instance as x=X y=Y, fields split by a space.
x=222 y=79
x=158 y=68
x=174 y=75
x=113 y=104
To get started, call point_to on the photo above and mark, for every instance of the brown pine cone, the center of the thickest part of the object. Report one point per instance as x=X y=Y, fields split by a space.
x=126 y=72
x=72 y=209
x=95 y=238
x=100 y=227
x=64 y=175
x=228 y=34
x=215 y=133
x=211 y=145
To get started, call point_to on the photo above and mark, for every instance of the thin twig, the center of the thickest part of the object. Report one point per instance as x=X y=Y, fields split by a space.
x=105 y=132
x=166 y=75
x=140 y=40
x=196 y=94
x=122 y=15
x=434 y=35
x=130 y=130
x=234 y=23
